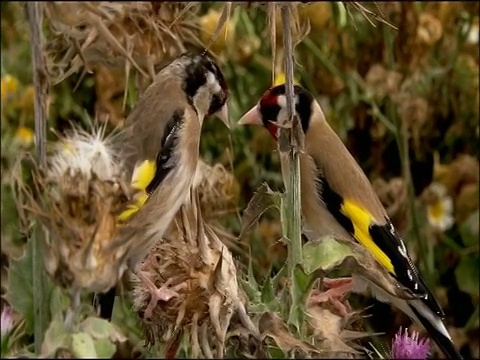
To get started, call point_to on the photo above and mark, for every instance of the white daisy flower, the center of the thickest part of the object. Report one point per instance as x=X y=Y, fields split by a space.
x=440 y=208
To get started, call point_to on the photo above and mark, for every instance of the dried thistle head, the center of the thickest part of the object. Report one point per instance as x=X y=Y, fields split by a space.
x=382 y=82
x=393 y=195
x=123 y=35
x=429 y=29
x=77 y=197
x=217 y=187
x=192 y=259
x=415 y=113
x=333 y=333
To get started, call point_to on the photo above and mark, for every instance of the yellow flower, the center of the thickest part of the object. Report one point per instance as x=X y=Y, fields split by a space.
x=24 y=136
x=439 y=207
x=26 y=103
x=318 y=13
x=281 y=79
x=9 y=86
x=208 y=25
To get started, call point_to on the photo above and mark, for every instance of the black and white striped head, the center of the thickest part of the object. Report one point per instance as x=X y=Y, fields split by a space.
x=205 y=86
x=271 y=109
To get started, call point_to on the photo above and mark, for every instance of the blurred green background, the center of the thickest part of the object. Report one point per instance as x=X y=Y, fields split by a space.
x=415 y=89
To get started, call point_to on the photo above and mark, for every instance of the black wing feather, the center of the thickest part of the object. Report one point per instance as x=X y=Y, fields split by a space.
x=164 y=163
x=390 y=242
x=387 y=239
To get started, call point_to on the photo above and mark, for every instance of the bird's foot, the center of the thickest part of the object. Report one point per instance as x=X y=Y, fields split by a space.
x=337 y=289
x=163 y=293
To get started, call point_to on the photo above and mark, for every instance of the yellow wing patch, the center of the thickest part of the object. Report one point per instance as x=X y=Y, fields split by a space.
x=142 y=176
x=281 y=79
x=362 y=220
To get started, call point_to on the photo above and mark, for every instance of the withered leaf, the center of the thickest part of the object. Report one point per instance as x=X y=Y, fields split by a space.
x=227 y=8
x=272 y=326
x=263 y=200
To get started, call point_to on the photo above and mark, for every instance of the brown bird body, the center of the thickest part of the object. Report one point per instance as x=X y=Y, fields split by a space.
x=323 y=143
x=164 y=129
x=160 y=151
x=338 y=200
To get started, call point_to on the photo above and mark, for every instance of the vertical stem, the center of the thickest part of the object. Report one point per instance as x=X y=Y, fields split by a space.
x=293 y=186
x=40 y=81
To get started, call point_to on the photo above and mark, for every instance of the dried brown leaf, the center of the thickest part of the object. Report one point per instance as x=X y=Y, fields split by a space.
x=272 y=326
x=263 y=200
x=227 y=8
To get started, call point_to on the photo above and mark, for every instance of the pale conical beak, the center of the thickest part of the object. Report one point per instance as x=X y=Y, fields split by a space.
x=252 y=117
x=223 y=115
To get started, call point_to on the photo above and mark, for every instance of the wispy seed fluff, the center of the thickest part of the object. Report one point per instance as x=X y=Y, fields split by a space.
x=85 y=152
x=79 y=197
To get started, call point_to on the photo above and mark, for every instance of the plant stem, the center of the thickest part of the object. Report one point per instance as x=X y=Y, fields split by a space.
x=40 y=81
x=289 y=145
x=293 y=187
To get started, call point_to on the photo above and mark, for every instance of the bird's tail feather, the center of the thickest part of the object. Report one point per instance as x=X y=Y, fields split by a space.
x=104 y=302
x=435 y=328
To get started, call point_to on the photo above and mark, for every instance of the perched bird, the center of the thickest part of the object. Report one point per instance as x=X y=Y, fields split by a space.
x=338 y=200
x=160 y=151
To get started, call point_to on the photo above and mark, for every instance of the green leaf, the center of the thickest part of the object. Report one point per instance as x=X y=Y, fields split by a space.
x=20 y=289
x=250 y=285
x=251 y=276
x=275 y=352
x=101 y=329
x=56 y=337
x=300 y=283
x=83 y=346
x=59 y=301
x=263 y=200
x=127 y=320
x=469 y=229
x=324 y=254
x=104 y=348
x=467 y=275
x=268 y=296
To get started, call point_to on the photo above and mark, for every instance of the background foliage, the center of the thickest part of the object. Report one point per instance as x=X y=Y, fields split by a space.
x=404 y=101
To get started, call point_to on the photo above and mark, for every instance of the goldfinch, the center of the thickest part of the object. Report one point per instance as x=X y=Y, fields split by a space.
x=338 y=200
x=161 y=152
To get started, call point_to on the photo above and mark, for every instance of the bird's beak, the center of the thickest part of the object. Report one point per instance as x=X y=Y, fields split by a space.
x=252 y=117
x=223 y=115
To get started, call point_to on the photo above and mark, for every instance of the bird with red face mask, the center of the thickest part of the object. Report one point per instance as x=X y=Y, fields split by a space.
x=338 y=200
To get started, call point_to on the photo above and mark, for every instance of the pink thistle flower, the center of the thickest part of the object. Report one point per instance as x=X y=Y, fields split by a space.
x=6 y=320
x=405 y=346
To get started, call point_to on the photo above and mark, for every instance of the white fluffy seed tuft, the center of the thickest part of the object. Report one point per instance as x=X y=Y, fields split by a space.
x=86 y=153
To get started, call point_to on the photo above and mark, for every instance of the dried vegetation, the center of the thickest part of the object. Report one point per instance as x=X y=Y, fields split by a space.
x=396 y=97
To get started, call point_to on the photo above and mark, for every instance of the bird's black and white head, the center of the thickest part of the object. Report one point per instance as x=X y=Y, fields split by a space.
x=204 y=85
x=271 y=109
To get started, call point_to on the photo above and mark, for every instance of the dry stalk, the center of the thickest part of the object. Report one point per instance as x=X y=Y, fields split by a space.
x=41 y=86
x=292 y=209
x=369 y=15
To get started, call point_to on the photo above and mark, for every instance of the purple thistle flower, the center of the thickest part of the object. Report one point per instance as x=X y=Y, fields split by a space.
x=405 y=346
x=6 y=320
